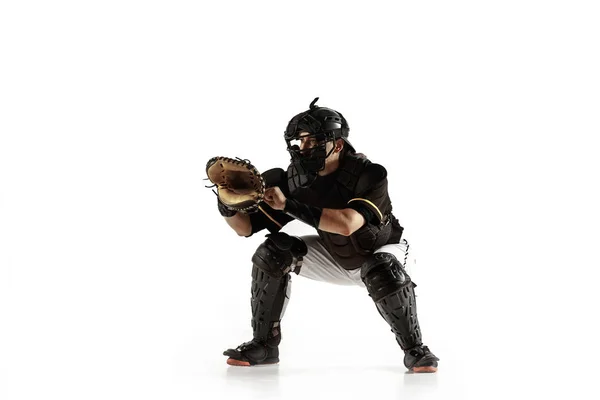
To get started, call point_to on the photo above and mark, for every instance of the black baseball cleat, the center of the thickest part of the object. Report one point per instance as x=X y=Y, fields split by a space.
x=420 y=359
x=254 y=352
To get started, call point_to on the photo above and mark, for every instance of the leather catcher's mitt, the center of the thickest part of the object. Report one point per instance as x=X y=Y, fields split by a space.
x=240 y=186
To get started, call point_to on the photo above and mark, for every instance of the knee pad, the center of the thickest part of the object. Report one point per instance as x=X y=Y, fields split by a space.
x=276 y=255
x=383 y=275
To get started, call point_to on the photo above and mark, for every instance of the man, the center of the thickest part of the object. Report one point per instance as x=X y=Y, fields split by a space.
x=344 y=197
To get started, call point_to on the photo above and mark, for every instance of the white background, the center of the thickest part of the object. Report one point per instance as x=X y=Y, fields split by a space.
x=119 y=279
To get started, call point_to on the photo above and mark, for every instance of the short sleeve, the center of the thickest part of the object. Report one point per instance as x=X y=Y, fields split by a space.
x=372 y=199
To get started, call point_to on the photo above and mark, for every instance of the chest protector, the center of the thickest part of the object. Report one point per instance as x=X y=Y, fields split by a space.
x=334 y=191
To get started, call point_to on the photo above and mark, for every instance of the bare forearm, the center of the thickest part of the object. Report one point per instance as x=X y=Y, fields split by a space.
x=240 y=223
x=343 y=222
x=340 y=221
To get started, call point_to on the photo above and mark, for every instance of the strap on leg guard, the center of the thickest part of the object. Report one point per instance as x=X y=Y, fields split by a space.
x=392 y=291
x=280 y=254
x=273 y=261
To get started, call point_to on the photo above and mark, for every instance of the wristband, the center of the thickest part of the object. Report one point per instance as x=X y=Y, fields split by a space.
x=308 y=214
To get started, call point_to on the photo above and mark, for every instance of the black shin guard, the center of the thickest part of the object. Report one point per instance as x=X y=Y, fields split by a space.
x=400 y=311
x=392 y=291
x=273 y=261
x=268 y=299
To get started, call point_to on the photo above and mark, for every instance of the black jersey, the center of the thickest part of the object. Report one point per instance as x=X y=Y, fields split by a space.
x=357 y=183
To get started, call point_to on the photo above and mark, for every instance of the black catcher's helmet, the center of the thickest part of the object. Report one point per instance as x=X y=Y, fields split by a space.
x=323 y=123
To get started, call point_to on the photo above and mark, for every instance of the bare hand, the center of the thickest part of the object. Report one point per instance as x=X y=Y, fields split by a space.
x=275 y=198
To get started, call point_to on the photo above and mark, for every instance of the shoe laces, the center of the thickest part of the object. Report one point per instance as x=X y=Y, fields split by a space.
x=249 y=345
x=246 y=345
x=419 y=351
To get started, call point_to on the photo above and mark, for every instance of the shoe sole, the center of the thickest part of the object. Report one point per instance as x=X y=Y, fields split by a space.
x=239 y=363
x=420 y=370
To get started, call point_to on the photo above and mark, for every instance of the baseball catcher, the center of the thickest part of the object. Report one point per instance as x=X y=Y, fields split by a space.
x=358 y=241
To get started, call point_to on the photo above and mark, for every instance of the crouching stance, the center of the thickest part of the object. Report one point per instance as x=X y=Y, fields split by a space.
x=344 y=196
x=272 y=263
x=392 y=290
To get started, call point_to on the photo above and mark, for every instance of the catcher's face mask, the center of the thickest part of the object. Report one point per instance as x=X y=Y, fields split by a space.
x=307 y=135
x=308 y=154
